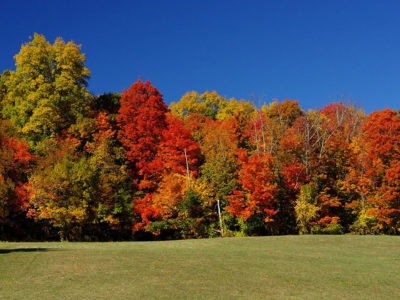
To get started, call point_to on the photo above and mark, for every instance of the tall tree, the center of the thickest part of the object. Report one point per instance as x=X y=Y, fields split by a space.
x=142 y=120
x=179 y=155
x=111 y=204
x=256 y=197
x=47 y=91
x=377 y=165
x=219 y=171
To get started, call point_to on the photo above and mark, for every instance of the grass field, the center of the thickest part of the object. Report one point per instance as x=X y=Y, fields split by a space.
x=282 y=267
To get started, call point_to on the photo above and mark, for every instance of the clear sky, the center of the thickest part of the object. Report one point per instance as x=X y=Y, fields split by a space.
x=314 y=51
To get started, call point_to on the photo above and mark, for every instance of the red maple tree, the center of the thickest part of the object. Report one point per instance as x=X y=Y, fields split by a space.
x=141 y=120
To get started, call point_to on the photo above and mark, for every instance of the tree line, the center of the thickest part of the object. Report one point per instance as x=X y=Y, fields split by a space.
x=76 y=166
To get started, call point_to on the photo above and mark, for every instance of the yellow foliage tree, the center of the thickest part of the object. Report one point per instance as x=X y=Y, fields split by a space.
x=47 y=91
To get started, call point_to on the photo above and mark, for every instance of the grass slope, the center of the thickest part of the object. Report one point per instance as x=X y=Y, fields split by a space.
x=282 y=267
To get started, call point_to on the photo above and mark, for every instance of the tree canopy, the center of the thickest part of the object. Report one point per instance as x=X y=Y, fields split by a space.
x=124 y=165
x=47 y=92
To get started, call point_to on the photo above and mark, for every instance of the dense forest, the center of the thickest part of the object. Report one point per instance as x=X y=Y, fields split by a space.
x=77 y=166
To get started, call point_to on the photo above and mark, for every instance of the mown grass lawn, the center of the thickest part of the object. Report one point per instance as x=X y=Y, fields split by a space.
x=301 y=267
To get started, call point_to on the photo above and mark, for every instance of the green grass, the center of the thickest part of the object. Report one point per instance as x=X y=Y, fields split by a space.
x=282 y=267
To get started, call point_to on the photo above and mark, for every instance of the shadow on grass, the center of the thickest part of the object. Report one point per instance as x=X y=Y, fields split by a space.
x=6 y=251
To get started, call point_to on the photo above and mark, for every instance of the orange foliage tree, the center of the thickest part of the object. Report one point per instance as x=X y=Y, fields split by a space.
x=257 y=193
x=141 y=120
x=158 y=147
x=15 y=161
x=179 y=155
x=381 y=139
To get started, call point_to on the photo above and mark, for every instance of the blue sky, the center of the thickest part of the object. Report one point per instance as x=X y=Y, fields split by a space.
x=314 y=51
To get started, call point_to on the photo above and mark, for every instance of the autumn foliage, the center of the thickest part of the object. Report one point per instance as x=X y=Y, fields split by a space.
x=141 y=120
x=258 y=188
x=126 y=166
x=15 y=163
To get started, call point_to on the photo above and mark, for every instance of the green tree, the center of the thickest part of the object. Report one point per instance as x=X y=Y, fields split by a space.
x=109 y=103
x=47 y=91
x=306 y=208
x=111 y=204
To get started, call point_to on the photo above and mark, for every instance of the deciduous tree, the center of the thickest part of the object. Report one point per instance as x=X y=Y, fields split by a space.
x=257 y=193
x=15 y=163
x=142 y=121
x=47 y=91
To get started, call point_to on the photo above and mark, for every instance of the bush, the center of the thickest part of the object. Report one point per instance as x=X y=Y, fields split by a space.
x=334 y=228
